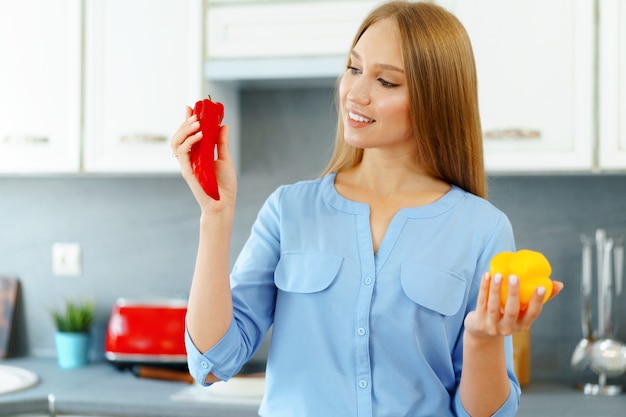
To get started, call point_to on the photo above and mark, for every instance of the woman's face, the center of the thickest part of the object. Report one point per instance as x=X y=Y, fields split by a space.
x=373 y=92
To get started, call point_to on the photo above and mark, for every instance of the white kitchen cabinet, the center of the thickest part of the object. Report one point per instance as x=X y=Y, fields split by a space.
x=612 y=85
x=40 y=78
x=143 y=64
x=535 y=63
x=278 y=29
x=274 y=40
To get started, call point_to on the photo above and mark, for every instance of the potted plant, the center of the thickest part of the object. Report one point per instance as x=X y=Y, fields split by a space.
x=73 y=324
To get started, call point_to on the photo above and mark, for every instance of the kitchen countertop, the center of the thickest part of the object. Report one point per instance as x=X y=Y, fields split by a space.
x=100 y=389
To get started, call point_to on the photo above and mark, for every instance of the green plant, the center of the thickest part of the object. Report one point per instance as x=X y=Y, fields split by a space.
x=75 y=318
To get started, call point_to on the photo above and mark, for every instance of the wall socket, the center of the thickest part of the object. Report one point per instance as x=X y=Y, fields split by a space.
x=66 y=259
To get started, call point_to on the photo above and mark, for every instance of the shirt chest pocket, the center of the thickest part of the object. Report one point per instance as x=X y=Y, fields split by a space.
x=436 y=289
x=306 y=271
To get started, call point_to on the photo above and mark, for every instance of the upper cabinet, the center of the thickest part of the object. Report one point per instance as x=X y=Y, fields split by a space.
x=535 y=64
x=143 y=65
x=101 y=86
x=96 y=86
x=40 y=76
x=261 y=40
x=612 y=84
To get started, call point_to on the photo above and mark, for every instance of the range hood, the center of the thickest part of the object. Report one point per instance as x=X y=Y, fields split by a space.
x=278 y=72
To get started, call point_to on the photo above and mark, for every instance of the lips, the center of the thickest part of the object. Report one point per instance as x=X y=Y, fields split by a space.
x=359 y=118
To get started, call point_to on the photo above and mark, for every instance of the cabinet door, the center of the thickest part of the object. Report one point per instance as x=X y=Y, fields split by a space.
x=612 y=83
x=143 y=66
x=40 y=79
x=280 y=29
x=535 y=77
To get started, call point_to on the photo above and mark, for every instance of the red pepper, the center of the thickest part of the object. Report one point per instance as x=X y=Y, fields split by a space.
x=210 y=115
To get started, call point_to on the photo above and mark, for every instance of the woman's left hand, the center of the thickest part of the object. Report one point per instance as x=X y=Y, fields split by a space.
x=489 y=319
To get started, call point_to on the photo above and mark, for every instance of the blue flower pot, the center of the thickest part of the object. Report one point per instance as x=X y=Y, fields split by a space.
x=72 y=349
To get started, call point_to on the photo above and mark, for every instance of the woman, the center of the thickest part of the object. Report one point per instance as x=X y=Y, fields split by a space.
x=373 y=275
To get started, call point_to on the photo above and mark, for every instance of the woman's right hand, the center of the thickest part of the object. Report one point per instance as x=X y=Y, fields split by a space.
x=185 y=137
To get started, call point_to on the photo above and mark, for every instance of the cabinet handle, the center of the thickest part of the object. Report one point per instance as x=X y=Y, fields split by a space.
x=513 y=133
x=143 y=138
x=25 y=139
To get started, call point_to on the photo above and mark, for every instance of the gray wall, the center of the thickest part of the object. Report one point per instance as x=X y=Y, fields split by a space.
x=139 y=233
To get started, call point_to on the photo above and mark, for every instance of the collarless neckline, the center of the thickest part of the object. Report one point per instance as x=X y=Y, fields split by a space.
x=441 y=205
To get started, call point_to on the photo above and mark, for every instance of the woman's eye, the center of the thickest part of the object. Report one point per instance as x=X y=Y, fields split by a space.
x=387 y=84
x=354 y=70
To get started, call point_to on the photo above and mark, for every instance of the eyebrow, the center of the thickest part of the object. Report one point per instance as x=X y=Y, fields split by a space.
x=390 y=67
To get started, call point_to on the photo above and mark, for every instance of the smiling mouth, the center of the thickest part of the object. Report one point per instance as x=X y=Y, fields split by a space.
x=358 y=118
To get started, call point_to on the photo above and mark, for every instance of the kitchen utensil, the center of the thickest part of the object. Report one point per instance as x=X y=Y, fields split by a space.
x=608 y=357
x=580 y=356
x=9 y=288
x=164 y=374
x=618 y=263
x=600 y=238
x=606 y=291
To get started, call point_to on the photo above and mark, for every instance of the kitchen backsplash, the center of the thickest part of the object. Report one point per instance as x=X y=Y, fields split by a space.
x=139 y=233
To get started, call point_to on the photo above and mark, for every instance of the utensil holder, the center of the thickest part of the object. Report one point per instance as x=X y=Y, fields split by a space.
x=609 y=289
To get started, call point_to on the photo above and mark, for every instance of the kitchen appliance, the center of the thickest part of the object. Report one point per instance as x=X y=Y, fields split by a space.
x=147 y=332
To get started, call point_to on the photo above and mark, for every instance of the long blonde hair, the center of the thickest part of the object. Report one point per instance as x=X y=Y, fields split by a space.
x=441 y=77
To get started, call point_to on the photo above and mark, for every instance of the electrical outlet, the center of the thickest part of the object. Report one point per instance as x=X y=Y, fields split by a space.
x=66 y=259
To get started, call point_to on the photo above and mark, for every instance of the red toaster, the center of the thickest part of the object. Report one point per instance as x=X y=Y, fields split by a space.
x=147 y=332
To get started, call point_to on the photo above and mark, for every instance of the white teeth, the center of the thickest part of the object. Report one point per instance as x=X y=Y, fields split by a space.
x=358 y=118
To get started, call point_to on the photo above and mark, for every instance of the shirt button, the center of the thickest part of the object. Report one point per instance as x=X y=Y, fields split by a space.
x=363 y=383
x=204 y=364
x=368 y=280
x=361 y=331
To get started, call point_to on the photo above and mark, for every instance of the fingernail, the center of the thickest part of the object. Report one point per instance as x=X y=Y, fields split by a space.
x=512 y=279
x=541 y=290
x=497 y=278
x=195 y=124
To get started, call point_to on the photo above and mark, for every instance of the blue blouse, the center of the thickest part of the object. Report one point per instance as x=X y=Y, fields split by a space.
x=356 y=333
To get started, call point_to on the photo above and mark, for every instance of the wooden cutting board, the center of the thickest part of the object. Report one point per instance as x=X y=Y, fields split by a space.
x=9 y=288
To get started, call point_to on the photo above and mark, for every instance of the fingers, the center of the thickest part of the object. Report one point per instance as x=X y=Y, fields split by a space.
x=494 y=317
x=498 y=320
x=483 y=292
x=188 y=133
x=534 y=309
x=557 y=286
x=511 y=309
x=223 y=150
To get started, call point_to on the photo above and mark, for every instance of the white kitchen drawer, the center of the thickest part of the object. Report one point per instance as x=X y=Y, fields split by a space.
x=295 y=29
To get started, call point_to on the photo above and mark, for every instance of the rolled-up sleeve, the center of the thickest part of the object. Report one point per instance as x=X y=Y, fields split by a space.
x=228 y=360
x=508 y=409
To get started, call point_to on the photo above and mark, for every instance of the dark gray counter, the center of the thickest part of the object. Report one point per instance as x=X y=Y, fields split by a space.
x=99 y=389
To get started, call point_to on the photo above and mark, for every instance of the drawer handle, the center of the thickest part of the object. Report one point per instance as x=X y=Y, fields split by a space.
x=513 y=133
x=143 y=138
x=24 y=139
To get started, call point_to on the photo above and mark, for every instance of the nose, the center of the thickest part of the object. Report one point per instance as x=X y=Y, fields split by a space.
x=359 y=91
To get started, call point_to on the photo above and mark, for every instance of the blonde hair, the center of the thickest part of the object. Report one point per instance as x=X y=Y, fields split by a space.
x=441 y=77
